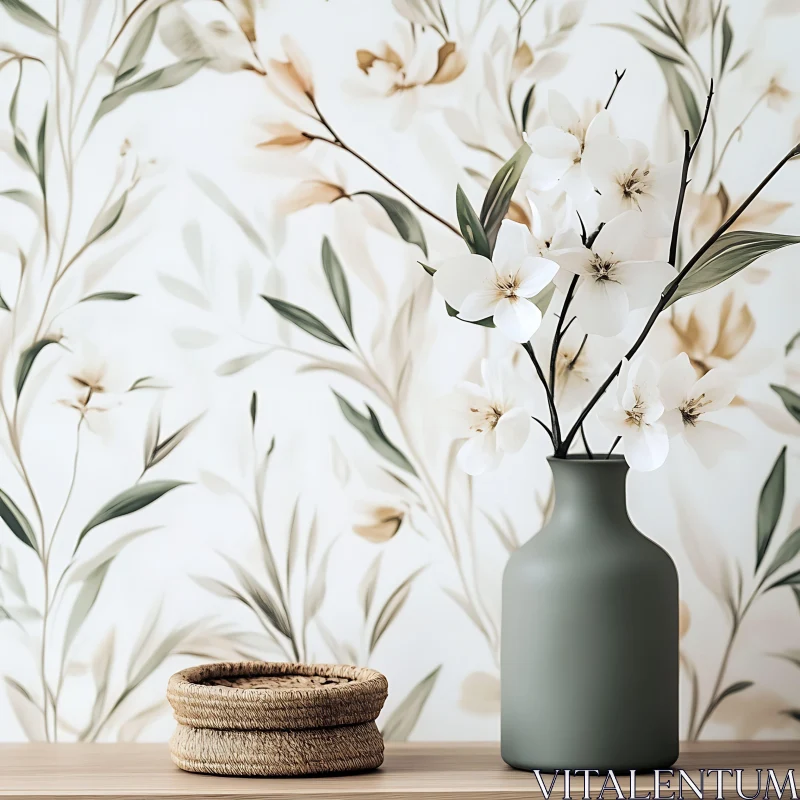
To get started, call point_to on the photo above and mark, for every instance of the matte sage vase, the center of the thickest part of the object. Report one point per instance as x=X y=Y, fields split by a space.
x=589 y=670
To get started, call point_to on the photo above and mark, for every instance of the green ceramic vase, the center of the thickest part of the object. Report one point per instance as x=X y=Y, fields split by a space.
x=589 y=669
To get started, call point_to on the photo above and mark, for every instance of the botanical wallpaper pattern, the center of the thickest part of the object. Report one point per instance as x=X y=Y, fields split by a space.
x=221 y=360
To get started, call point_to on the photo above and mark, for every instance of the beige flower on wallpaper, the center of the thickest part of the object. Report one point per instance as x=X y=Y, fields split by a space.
x=291 y=79
x=379 y=523
x=694 y=18
x=403 y=72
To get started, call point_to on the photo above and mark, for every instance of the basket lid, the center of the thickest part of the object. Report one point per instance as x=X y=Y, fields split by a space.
x=260 y=695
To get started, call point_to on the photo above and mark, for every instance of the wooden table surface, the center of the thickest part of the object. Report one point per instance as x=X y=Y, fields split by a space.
x=435 y=771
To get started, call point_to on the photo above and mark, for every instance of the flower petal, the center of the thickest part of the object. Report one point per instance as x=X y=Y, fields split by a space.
x=479 y=305
x=575 y=182
x=644 y=280
x=534 y=274
x=479 y=454
x=677 y=379
x=553 y=143
x=575 y=260
x=606 y=159
x=718 y=386
x=601 y=307
x=462 y=275
x=621 y=238
x=514 y=243
x=562 y=111
x=614 y=419
x=601 y=125
x=646 y=447
x=512 y=430
x=711 y=441
x=518 y=319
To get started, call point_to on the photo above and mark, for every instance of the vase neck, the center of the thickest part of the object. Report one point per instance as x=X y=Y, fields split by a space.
x=589 y=489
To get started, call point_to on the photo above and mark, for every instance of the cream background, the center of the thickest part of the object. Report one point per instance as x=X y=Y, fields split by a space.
x=210 y=126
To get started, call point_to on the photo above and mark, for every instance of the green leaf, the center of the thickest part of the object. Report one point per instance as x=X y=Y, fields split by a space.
x=118 y=296
x=402 y=720
x=786 y=552
x=17 y=522
x=107 y=220
x=769 y=506
x=431 y=271
x=19 y=143
x=471 y=227
x=680 y=95
x=22 y=12
x=404 y=221
x=727 y=41
x=164 y=78
x=84 y=602
x=498 y=198
x=789 y=345
x=391 y=608
x=370 y=428
x=542 y=300
x=131 y=61
x=527 y=104
x=26 y=359
x=338 y=283
x=41 y=153
x=127 y=502
x=730 y=254
x=305 y=320
x=792 y=579
x=3 y=304
x=734 y=688
x=790 y=399
x=253 y=408
x=162 y=449
x=644 y=40
x=26 y=198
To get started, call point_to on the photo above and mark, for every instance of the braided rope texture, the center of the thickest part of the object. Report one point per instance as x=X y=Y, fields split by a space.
x=274 y=719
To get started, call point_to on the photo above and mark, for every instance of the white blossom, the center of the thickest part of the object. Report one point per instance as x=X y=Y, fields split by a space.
x=490 y=417
x=566 y=141
x=612 y=279
x=626 y=179
x=635 y=415
x=688 y=401
x=501 y=288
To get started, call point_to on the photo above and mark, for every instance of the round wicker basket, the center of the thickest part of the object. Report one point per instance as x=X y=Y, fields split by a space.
x=269 y=719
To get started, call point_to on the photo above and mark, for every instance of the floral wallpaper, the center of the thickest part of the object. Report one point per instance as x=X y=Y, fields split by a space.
x=221 y=361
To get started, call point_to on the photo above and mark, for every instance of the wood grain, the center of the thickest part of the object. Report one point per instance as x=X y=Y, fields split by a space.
x=435 y=771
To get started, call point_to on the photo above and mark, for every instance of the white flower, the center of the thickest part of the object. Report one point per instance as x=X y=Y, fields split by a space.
x=490 y=417
x=688 y=400
x=621 y=171
x=501 y=288
x=636 y=413
x=566 y=141
x=551 y=223
x=611 y=279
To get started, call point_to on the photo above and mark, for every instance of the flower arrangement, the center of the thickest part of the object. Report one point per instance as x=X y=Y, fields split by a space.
x=604 y=242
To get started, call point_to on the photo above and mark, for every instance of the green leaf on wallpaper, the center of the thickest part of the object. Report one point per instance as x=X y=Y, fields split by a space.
x=116 y=296
x=406 y=224
x=769 y=506
x=3 y=304
x=729 y=255
x=647 y=42
x=305 y=321
x=17 y=522
x=26 y=359
x=253 y=408
x=401 y=722
x=338 y=283
x=369 y=584
x=727 y=41
x=107 y=219
x=471 y=227
x=790 y=399
x=160 y=450
x=131 y=61
x=792 y=579
x=23 y=13
x=789 y=548
x=127 y=502
x=527 y=104
x=84 y=602
x=164 y=78
x=41 y=153
x=734 y=688
x=680 y=95
x=19 y=137
x=25 y=198
x=370 y=428
x=498 y=197
x=391 y=608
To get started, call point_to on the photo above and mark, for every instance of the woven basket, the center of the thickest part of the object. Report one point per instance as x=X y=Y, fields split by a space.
x=257 y=718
